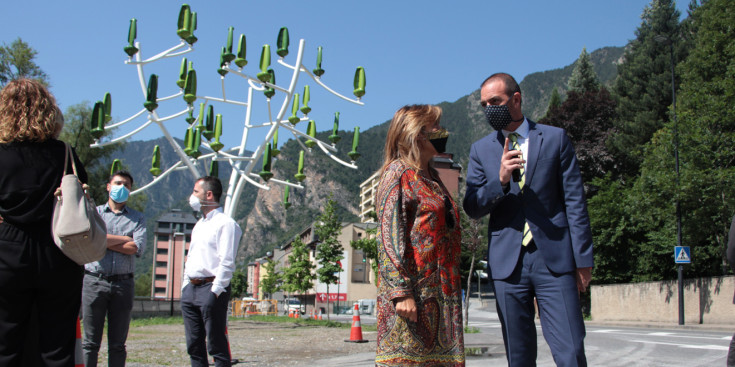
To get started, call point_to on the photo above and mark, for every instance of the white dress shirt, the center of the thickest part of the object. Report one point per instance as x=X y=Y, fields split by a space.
x=522 y=132
x=214 y=242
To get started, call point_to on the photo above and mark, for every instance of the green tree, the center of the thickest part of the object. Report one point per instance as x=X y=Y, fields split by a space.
x=584 y=78
x=369 y=247
x=706 y=130
x=554 y=100
x=271 y=282
x=143 y=284
x=239 y=282
x=76 y=132
x=329 y=251
x=613 y=231
x=588 y=120
x=643 y=86
x=298 y=276
x=474 y=245
x=17 y=61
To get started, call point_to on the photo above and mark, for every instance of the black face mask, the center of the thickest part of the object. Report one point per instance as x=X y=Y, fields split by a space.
x=439 y=140
x=498 y=116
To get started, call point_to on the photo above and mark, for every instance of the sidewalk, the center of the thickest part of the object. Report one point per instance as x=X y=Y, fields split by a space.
x=485 y=349
x=489 y=352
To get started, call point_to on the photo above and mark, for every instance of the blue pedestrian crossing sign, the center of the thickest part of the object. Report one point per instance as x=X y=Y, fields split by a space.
x=682 y=255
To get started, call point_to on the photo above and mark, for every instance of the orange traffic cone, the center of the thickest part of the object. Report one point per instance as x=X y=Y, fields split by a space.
x=356 y=331
x=78 y=353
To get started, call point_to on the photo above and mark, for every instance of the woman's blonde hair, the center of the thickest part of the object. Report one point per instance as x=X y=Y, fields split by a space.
x=403 y=133
x=28 y=112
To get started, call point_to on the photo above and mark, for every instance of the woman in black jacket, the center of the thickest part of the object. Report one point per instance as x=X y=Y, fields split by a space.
x=37 y=281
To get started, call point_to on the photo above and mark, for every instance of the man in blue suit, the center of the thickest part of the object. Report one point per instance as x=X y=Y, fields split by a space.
x=540 y=242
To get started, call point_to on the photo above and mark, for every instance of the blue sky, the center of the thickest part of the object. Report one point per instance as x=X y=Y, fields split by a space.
x=412 y=51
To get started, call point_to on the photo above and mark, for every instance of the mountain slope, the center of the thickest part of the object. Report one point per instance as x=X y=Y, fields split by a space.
x=264 y=220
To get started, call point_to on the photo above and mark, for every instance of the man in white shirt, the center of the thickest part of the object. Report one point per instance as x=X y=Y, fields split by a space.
x=209 y=265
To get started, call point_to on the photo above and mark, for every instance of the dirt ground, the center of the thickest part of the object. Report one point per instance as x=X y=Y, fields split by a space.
x=252 y=343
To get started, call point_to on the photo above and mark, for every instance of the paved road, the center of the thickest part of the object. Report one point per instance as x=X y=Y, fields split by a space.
x=606 y=345
x=615 y=346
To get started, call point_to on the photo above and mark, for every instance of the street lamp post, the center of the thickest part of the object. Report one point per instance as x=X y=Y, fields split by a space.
x=668 y=41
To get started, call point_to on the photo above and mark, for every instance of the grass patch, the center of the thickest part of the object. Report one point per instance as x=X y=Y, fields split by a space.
x=178 y=320
x=147 y=321
x=471 y=330
x=308 y=322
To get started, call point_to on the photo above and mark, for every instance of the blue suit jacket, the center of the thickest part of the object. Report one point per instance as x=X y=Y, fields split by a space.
x=552 y=202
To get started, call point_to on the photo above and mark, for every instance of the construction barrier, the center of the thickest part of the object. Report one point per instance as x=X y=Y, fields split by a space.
x=356 y=330
x=245 y=308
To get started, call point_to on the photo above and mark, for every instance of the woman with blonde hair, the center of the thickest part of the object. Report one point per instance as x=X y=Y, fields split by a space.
x=37 y=281
x=419 y=302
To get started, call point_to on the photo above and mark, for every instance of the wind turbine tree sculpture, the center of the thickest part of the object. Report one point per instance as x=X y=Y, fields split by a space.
x=202 y=138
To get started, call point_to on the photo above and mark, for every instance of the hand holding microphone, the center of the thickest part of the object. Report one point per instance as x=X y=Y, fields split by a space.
x=511 y=164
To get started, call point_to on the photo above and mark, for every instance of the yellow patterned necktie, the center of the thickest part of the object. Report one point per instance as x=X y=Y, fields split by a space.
x=527 y=236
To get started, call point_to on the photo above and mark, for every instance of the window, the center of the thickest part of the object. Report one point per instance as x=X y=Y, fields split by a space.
x=161 y=251
x=163 y=237
x=161 y=264
x=160 y=276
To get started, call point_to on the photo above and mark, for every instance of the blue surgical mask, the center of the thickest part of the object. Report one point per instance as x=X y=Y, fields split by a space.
x=119 y=193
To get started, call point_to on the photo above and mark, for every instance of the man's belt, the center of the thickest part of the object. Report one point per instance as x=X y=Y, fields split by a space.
x=110 y=278
x=200 y=281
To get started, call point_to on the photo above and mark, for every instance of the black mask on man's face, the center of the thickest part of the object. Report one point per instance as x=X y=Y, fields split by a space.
x=498 y=116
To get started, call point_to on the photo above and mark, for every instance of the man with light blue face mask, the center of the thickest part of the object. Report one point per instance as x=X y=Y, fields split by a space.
x=109 y=287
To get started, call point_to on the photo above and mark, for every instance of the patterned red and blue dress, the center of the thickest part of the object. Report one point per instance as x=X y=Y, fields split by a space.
x=418 y=256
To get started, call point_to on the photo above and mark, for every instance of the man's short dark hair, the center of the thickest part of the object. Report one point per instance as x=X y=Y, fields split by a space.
x=511 y=86
x=121 y=173
x=213 y=184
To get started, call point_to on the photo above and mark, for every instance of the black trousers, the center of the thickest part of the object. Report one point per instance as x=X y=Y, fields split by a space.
x=205 y=316
x=38 y=285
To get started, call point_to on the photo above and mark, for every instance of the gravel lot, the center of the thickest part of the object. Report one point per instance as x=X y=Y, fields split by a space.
x=252 y=343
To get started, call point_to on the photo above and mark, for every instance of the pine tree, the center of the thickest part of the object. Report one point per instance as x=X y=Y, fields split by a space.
x=329 y=251
x=298 y=276
x=643 y=86
x=584 y=78
x=706 y=132
x=554 y=101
